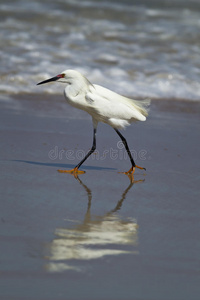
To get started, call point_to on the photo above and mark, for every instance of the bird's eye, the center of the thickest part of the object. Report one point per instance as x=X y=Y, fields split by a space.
x=60 y=76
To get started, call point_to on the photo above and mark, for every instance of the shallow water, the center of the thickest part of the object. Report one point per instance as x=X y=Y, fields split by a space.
x=98 y=236
x=150 y=49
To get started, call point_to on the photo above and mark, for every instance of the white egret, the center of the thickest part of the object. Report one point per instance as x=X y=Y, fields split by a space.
x=104 y=106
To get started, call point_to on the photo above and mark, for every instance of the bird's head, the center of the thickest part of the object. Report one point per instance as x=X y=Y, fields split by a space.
x=67 y=76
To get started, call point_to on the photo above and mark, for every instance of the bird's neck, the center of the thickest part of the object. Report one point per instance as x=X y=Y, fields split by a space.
x=73 y=89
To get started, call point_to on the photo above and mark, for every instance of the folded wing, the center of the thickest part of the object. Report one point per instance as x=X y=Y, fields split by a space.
x=111 y=106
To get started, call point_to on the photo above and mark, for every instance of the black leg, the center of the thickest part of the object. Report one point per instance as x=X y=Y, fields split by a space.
x=90 y=152
x=126 y=147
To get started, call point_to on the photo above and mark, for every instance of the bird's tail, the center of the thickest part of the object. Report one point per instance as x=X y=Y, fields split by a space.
x=142 y=106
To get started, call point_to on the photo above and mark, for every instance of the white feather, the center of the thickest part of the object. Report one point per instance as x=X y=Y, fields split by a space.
x=102 y=104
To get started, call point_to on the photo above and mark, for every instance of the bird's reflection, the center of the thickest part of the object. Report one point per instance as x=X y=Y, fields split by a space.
x=94 y=238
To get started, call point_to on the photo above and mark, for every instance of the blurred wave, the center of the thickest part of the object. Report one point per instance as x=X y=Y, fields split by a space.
x=150 y=49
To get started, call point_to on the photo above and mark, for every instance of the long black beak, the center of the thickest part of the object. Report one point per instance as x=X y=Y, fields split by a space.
x=50 y=79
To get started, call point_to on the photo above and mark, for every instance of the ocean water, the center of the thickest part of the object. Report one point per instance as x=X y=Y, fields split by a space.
x=139 y=49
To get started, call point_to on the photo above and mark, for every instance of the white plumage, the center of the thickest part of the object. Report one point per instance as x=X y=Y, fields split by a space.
x=103 y=105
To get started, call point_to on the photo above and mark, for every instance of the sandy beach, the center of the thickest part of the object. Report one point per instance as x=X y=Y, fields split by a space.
x=112 y=238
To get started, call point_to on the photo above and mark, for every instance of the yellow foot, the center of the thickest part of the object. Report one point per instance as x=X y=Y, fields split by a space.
x=131 y=172
x=140 y=168
x=74 y=172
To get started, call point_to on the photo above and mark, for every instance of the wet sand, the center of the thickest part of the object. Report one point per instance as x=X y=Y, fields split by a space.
x=98 y=236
